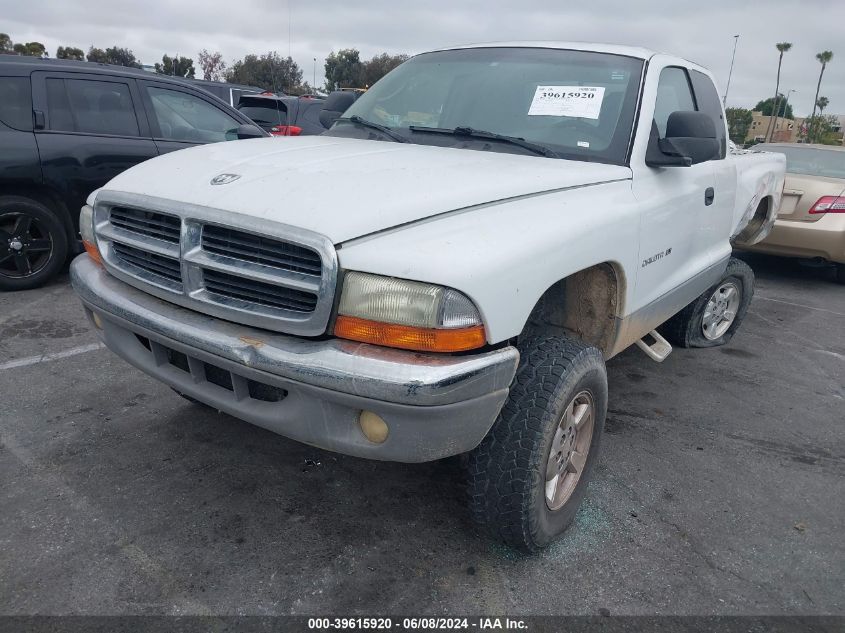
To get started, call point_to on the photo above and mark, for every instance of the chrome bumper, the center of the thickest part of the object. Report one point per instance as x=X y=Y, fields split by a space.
x=434 y=405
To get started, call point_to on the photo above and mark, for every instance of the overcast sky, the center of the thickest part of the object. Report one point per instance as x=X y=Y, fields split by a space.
x=700 y=31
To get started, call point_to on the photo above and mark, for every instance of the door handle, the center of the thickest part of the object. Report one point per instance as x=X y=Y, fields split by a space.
x=38 y=119
x=709 y=194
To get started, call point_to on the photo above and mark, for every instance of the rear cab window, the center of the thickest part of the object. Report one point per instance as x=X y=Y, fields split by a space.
x=709 y=103
x=16 y=103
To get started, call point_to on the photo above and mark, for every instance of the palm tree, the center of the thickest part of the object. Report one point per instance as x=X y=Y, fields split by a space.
x=824 y=59
x=782 y=47
x=822 y=103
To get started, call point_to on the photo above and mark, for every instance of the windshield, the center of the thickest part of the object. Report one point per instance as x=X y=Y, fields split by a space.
x=811 y=161
x=579 y=104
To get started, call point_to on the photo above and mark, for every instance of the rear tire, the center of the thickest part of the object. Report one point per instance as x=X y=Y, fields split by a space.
x=716 y=315
x=33 y=243
x=530 y=473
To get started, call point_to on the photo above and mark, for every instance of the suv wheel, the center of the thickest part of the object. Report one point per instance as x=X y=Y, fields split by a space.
x=33 y=244
x=530 y=473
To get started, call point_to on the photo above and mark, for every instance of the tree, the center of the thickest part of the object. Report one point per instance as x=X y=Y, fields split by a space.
x=114 y=55
x=176 y=66
x=344 y=70
x=212 y=65
x=379 y=66
x=782 y=47
x=30 y=49
x=821 y=129
x=70 y=52
x=739 y=120
x=824 y=59
x=767 y=107
x=270 y=71
x=822 y=103
x=5 y=43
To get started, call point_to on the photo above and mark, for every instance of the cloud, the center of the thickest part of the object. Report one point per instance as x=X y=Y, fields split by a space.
x=702 y=32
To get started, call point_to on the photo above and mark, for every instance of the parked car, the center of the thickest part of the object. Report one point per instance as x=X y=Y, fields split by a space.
x=230 y=93
x=67 y=128
x=512 y=216
x=811 y=219
x=284 y=115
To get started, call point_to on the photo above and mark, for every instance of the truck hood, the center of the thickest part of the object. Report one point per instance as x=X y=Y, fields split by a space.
x=346 y=188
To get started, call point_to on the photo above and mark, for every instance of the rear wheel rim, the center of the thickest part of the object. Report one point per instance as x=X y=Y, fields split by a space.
x=720 y=311
x=26 y=245
x=570 y=448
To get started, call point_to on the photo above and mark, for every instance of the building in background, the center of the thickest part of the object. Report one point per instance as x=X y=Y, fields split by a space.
x=786 y=130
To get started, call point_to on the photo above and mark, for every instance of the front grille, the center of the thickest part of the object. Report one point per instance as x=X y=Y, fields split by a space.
x=260 y=250
x=160 y=226
x=258 y=292
x=245 y=270
x=153 y=263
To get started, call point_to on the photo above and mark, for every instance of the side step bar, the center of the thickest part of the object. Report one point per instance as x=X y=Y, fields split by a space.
x=658 y=350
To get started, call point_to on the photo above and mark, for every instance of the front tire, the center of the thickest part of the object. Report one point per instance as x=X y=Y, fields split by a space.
x=716 y=315
x=530 y=473
x=33 y=244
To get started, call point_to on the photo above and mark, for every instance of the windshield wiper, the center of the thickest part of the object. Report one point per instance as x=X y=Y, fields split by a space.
x=473 y=133
x=375 y=126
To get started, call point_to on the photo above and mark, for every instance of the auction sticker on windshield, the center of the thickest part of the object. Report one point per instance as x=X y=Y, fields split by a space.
x=583 y=102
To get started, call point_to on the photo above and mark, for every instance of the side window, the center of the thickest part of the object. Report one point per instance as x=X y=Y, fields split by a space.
x=186 y=117
x=16 y=103
x=90 y=106
x=673 y=94
x=709 y=103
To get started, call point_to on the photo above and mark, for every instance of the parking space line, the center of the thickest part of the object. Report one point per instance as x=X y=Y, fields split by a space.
x=797 y=305
x=43 y=358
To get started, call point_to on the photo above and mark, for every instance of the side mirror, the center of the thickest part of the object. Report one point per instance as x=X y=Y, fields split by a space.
x=249 y=131
x=690 y=139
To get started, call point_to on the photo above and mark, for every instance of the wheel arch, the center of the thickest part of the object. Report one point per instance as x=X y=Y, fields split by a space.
x=586 y=304
x=50 y=199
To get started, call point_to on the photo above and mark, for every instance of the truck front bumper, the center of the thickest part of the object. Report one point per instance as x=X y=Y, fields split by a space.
x=311 y=391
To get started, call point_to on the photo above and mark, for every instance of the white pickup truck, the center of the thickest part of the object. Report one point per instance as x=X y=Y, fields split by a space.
x=448 y=269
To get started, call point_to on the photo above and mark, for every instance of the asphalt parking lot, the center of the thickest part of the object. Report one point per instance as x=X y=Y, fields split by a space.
x=720 y=488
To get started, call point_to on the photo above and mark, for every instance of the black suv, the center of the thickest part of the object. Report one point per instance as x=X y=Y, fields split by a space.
x=66 y=129
x=284 y=115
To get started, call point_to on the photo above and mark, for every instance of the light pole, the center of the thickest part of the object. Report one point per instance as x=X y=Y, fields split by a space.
x=785 y=103
x=314 y=80
x=730 y=72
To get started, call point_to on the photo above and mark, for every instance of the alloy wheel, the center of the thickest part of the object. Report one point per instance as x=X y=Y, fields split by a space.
x=26 y=245
x=570 y=447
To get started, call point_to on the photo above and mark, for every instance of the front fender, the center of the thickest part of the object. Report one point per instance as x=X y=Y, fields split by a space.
x=505 y=256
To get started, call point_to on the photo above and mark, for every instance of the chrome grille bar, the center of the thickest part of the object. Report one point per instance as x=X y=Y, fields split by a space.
x=235 y=267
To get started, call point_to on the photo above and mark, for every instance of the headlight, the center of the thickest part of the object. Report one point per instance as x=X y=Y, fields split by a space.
x=407 y=314
x=86 y=231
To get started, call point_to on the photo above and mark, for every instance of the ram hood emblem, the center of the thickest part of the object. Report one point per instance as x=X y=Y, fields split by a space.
x=224 y=179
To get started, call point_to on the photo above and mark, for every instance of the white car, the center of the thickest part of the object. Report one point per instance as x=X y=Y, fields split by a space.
x=449 y=268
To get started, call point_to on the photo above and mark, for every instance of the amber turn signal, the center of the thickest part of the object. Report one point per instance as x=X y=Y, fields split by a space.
x=408 y=337
x=93 y=252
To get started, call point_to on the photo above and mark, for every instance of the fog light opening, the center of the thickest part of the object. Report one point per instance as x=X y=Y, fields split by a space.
x=373 y=427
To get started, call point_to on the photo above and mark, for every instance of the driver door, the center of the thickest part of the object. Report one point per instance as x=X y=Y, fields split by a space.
x=677 y=205
x=182 y=118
